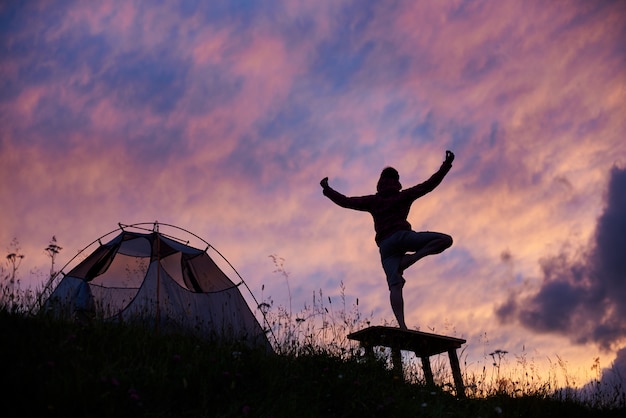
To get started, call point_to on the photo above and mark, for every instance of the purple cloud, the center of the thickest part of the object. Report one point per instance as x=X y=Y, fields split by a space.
x=583 y=297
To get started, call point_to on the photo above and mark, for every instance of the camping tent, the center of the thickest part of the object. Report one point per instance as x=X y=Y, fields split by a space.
x=145 y=276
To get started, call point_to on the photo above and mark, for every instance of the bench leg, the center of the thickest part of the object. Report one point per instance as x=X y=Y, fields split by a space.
x=396 y=359
x=456 y=373
x=428 y=372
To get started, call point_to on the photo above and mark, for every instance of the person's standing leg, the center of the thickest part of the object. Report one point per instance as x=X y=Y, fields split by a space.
x=391 y=256
x=397 y=304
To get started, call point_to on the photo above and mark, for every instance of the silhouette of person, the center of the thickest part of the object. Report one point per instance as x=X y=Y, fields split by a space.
x=400 y=247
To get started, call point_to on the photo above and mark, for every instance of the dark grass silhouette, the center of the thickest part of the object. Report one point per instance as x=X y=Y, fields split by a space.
x=56 y=367
x=52 y=367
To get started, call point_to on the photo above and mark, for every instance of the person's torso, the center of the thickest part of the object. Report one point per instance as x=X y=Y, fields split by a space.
x=390 y=214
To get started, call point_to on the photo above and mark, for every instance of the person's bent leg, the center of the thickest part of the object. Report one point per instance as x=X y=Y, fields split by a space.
x=397 y=303
x=426 y=243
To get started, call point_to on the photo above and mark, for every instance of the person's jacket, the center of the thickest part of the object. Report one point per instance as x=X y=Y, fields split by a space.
x=390 y=205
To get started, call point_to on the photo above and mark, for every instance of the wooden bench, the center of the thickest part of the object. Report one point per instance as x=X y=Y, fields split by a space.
x=423 y=344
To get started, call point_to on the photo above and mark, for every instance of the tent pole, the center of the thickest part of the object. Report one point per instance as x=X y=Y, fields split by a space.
x=158 y=313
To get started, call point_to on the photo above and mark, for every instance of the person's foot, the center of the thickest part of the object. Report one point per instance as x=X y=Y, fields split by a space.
x=406 y=262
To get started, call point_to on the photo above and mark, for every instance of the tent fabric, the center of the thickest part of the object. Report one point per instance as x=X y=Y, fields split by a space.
x=152 y=279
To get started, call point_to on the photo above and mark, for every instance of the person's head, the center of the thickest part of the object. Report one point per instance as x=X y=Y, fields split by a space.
x=389 y=180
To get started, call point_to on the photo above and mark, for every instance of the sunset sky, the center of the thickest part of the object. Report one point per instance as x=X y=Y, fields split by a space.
x=222 y=117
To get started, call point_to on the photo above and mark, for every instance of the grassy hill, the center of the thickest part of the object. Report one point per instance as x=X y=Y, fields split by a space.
x=57 y=368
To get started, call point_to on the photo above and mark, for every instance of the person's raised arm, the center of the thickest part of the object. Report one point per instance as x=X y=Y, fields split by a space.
x=434 y=180
x=356 y=203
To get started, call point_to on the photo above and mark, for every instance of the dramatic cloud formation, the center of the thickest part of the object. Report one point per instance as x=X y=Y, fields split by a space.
x=584 y=298
x=222 y=117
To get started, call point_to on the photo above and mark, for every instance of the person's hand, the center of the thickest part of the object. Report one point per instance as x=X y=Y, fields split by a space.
x=449 y=157
x=324 y=182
